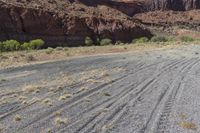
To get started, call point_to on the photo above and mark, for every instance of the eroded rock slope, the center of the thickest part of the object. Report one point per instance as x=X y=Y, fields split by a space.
x=65 y=22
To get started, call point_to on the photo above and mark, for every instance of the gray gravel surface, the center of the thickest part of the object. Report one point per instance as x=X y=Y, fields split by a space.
x=149 y=92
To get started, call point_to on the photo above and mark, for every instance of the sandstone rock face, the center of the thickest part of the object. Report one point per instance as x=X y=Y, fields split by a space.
x=131 y=7
x=61 y=27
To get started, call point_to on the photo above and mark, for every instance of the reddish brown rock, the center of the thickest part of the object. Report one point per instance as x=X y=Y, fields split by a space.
x=131 y=7
x=69 y=26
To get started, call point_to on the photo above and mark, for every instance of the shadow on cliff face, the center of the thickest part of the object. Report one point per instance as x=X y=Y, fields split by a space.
x=137 y=6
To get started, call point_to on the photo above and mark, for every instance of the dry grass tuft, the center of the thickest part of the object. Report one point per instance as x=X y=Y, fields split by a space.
x=87 y=99
x=58 y=113
x=108 y=127
x=65 y=96
x=2 y=80
x=17 y=118
x=47 y=101
x=188 y=125
x=106 y=94
x=60 y=121
x=4 y=100
x=104 y=110
x=22 y=98
x=31 y=88
x=82 y=89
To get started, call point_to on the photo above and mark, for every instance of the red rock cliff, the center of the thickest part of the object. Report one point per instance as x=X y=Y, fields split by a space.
x=62 y=26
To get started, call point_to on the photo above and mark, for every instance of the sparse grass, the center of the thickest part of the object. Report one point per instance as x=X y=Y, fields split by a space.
x=140 y=40
x=6 y=58
x=22 y=98
x=24 y=102
x=30 y=58
x=187 y=39
x=17 y=118
x=48 y=130
x=65 y=96
x=59 y=48
x=60 y=121
x=159 y=39
x=106 y=94
x=182 y=116
x=58 y=113
x=104 y=110
x=82 y=89
x=47 y=101
x=4 y=100
x=31 y=89
x=105 y=41
x=2 y=80
x=87 y=99
x=108 y=127
x=49 y=50
x=188 y=125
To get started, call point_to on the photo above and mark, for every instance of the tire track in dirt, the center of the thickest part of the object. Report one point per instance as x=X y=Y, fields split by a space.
x=122 y=109
x=78 y=98
x=127 y=92
x=158 y=121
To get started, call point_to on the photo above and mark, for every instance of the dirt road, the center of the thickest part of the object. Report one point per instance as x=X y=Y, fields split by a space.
x=149 y=92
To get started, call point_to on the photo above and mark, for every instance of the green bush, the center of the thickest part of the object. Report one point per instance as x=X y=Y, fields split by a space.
x=98 y=41
x=159 y=39
x=105 y=41
x=1 y=47
x=140 y=40
x=187 y=39
x=26 y=46
x=88 y=41
x=36 y=44
x=11 y=45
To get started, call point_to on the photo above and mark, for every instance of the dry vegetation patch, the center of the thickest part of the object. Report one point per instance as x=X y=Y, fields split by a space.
x=19 y=58
x=188 y=125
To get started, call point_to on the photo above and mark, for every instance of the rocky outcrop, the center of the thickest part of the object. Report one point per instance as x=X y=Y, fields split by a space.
x=131 y=7
x=167 y=19
x=59 y=27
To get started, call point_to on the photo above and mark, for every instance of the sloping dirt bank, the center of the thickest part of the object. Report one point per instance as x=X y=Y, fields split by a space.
x=150 y=92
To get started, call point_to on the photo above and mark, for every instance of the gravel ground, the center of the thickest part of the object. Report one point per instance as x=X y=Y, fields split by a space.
x=150 y=92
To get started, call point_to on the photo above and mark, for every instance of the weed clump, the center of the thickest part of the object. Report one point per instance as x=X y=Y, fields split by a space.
x=17 y=118
x=60 y=121
x=140 y=40
x=187 y=39
x=105 y=42
x=88 y=41
x=188 y=125
x=159 y=39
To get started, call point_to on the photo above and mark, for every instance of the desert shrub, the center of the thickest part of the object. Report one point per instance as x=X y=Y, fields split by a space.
x=105 y=41
x=159 y=39
x=59 y=48
x=1 y=47
x=10 y=45
x=26 y=46
x=140 y=40
x=88 y=41
x=171 y=39
x=49 y=50
x=187 y=39
x=37 y=43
